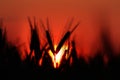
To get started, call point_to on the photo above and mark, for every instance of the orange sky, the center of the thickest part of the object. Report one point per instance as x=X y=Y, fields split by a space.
x=15 y=12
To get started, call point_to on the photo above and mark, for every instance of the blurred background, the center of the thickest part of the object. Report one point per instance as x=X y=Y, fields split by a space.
x=87 y=12
x=96 y=39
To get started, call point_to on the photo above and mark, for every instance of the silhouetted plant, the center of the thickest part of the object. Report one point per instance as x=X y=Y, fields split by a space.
x=12 y=65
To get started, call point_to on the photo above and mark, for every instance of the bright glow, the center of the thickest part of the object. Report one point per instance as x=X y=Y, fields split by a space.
x=51 y=55
x=57 y=57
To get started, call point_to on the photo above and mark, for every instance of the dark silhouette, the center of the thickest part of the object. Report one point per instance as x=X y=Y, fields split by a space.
x=12 y=67
x=35 y=42
x=65 y=37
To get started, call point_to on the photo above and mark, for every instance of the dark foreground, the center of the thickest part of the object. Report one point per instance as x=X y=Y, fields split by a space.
x=94 y=70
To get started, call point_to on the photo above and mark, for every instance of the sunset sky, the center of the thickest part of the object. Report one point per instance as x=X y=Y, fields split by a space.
x=87 y=12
